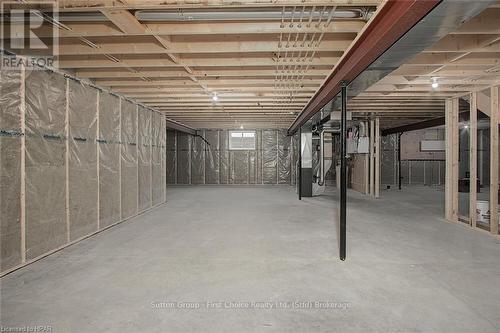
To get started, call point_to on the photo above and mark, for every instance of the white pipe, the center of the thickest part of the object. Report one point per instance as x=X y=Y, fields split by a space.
x=362 y=129
x=321 y=180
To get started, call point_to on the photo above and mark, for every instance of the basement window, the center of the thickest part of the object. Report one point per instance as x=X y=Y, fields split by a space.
x=242 y=140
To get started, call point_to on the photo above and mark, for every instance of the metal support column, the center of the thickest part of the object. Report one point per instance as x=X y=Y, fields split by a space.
x=299 y=182
x=343 y=172
x=399 y=161
x=306 y=171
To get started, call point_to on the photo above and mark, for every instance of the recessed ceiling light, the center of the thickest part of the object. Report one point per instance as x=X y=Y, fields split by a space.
x=434 y=84
x=241 y=127
x=214 y=97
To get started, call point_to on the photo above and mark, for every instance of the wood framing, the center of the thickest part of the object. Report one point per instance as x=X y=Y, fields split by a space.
x=377 y=157
x=372 y=157
x=151 y=152
x=299 y=45
x=258 y=66
x=22 y=215
x=455 y=158
x=392 y=21
x=494 y=158
x=473 y=159
x=451 y=182
x=367 y=163
x=137 y=154
x=448 y=159
x=66 y=163
x=465 y=60
x=120 y=152
x=98 y=159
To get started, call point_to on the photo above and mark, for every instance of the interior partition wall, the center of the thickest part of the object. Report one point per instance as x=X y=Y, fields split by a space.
x=74 y=159
x=208 y=159
x=472 y=186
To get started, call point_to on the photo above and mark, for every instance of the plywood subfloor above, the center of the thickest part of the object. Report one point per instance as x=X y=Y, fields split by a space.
x=177 y=55
x=251 y=54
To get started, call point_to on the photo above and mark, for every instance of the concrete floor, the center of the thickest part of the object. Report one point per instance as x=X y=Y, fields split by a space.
x=407 y=269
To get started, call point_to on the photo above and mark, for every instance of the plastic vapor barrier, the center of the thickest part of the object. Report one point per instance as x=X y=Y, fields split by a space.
x=129 y=167
x=109 y=159
x=144 y=159
x=82 y=159
x=389 y=159
x=207 y=159
x=239 y=167
x=212 y=157
x=171 y=157
x=10 y=169
x=183 y=158
x=83 y=167
x=224 y=166
x=284 y=158
x=413 y=172
x=197 y=160
x=158 y=159
x=46 y=222
x=269 y=157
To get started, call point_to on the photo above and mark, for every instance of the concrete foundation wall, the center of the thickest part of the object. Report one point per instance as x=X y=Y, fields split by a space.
x=192 y=160
x=73 y=160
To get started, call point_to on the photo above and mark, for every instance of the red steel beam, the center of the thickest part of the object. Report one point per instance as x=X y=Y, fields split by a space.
x=394 y=19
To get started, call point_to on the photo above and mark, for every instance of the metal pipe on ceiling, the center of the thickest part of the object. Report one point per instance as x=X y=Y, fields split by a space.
x=237 y=15
x=393 y=20
x=192 y=15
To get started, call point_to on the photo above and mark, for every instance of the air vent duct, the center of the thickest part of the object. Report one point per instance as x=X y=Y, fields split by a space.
x=242 y=15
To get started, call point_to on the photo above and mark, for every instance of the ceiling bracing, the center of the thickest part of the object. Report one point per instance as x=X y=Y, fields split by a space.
x=263 y=59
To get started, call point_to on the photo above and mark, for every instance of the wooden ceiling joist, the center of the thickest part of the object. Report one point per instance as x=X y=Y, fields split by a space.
x=263 y=71
x=105 y=29
x=141 y=45
x=92 y=5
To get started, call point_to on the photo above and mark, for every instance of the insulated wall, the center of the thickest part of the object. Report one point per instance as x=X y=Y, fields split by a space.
x=11 y=140
x=46 y=147
x=207 y=159
x=74 y=160
x=413 y=171
x=109 y=159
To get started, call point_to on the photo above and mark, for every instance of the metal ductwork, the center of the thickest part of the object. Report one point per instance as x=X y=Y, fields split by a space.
x=322 y=172
x=289 y=14
x=442 y=20
x=191 y=15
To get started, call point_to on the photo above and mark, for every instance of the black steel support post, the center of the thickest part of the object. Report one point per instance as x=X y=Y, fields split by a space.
x=343 y=172
x=299 y=181
x=399 y=161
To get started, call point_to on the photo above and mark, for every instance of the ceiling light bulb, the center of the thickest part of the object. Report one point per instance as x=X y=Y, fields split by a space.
x=434 y=84
x=214 y=97
x=241 y=127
